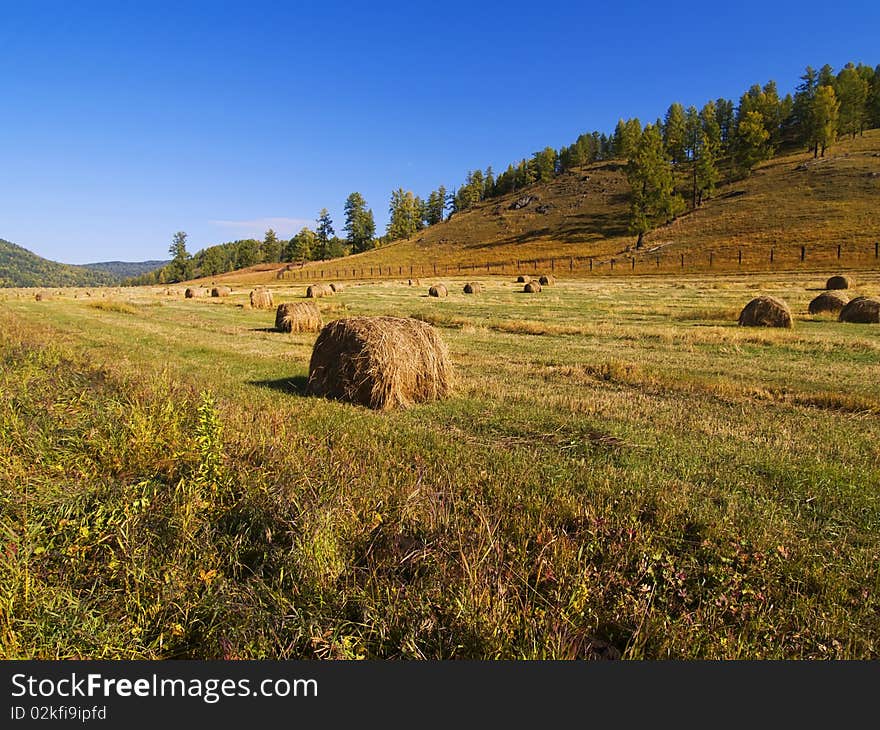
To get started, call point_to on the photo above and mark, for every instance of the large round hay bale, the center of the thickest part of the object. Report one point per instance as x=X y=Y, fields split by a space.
x=261 y=298
x=473 y=287
x=221 y=291
x=828 y=301
x=523 y=279
x=315 y=291
x=438 y=290
x=336 y=288
x=765 y=312
x=840 y=282
x=861 y=310
x=532 y=287
x=547 y=280
x=194 y=291
x=298 y=317
x=379 y=362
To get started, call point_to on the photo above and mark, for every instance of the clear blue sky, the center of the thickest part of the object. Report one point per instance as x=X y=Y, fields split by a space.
x=125 y=122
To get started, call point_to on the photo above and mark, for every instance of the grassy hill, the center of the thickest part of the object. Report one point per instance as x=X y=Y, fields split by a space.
x=126 y=269
x=22 y=268
x=789 y=201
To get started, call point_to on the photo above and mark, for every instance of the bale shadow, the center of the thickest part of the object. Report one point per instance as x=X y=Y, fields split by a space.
x=262 y=329
x=291 y=386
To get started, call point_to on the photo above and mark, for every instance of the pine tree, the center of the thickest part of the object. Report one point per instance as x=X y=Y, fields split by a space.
x=752 y=141
x=674 y=132
x=650 y=175
x=825 y=113
x=270 y=251
x=360 y=226
x=180 y=268
x=404 y=215
x=851 y=90
x=324 y=233
x=302 y=246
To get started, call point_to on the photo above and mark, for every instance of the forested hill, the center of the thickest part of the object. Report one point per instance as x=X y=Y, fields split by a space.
x=20 y=267
x=126 y=269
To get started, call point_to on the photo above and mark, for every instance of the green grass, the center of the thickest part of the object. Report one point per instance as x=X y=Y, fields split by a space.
x=620 y=469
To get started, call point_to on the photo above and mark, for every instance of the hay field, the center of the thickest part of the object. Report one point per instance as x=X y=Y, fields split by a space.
x=620 y=471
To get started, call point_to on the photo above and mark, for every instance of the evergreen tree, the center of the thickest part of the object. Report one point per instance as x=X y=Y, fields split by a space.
x=752 y=141
x=705 y=168
x=825 y=114
x=404 y=215
x=725 y=118
x=802 y=111
x=270 y=251
x=544 y=163
x=360 y=226
x=709 y=119
x=674 y=132
x=653 y=195
x=180 y=268
x=489 y=183
x=302 y=246
x=851 y=90
x=247 y=253
x=324 y=233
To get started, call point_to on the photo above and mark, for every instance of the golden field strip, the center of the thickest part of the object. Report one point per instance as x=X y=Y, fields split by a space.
x=620 y=471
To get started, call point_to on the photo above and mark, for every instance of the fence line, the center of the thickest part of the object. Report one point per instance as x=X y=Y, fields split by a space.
x=725 y=259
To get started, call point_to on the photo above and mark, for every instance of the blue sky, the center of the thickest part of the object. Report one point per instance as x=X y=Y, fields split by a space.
x=125 y=122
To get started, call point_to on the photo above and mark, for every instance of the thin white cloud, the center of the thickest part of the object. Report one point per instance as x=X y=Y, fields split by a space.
x=284 y=227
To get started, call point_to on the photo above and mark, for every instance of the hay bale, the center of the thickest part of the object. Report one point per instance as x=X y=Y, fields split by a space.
x=532 y=287
x=261 y=298
x=316 y=291
x=547 y=280
x=298 y=317
x=438 y=290
x=415 y=282
x=379 y=362
x=473 y=287
x=39 y=296
x=523 y=279
x=861 y=310
x=337 y=288
x=828 y=301
x=839 y=282
x=221 y=291
x=765 y=312
x=195 y=291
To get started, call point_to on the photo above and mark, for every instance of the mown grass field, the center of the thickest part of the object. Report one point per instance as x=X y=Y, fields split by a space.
x=621 y=471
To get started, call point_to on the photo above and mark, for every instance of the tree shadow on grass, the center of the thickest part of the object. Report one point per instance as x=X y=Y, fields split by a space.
x=291 y=386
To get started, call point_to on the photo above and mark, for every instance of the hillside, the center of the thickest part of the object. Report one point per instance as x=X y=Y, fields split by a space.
x=126 y=269
x=20 y=267
x=788 y=201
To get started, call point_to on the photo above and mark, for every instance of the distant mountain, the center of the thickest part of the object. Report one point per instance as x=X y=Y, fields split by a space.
x=126 y=269
x=20 y=267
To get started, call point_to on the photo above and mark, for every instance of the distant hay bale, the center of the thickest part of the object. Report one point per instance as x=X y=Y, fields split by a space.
x=414 y=282
x=261 y=298
x=532 y=287
x=316 y=291
x=840 y=282
x=379 y=362
x=547 y=280
x=337 y=287
x=765 y=312
x=438 y=290
x=829 y=301
x=195 y=291
x=473 y=287
x=221 y=291
x=861 y=310
x=39 y=296
x=523 y=279
x=298 y=317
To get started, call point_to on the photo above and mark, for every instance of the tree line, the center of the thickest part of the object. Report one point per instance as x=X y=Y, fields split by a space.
x=672 y=164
